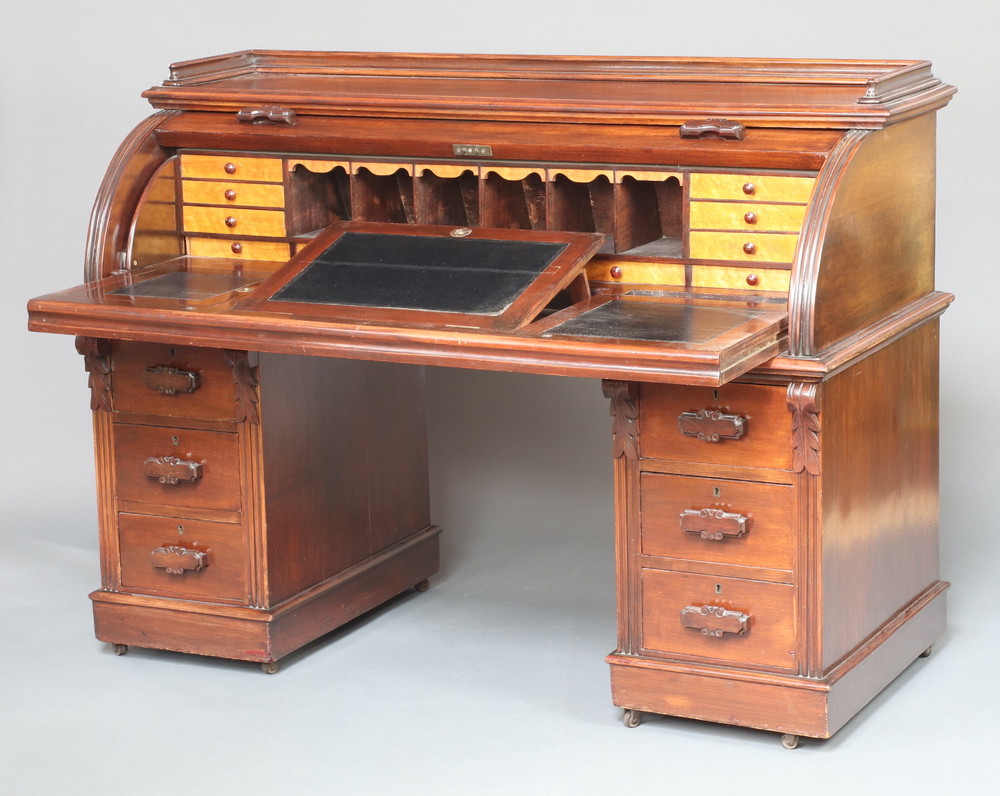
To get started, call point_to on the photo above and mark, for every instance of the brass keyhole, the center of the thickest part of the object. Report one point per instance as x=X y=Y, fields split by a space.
x=180 y=529
x=175 y=440
x=718 y=588
x=716 y=491
x=715 y=394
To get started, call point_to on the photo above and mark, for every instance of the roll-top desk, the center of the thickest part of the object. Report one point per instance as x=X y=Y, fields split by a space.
x=742 y=250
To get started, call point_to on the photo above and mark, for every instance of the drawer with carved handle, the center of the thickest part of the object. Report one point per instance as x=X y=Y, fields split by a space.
x=174 y=467
x=716 y=520
x=724 y=619
x=181 y=557
x=746 y=425
x=172 y=381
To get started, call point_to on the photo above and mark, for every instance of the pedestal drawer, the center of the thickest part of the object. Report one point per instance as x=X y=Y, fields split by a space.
x=181 y=557
x=680 y=615
x=716 y=520
x=757 y=415
x=173 y=381
x=177 y=468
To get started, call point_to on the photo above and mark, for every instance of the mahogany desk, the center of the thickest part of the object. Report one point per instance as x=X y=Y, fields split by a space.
x=742 y=250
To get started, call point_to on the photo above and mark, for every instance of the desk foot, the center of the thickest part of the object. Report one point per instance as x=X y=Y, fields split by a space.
x=789 y=741
x=631 y=718
x=423 y=585
x=271 y=667
x=120 y=649
x=927 y=652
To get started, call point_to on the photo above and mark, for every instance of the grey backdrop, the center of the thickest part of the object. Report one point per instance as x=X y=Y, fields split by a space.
x=493 y=681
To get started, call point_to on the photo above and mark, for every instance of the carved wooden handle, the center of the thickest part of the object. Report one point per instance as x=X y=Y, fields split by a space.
x=171 y=470
x=267 y=114
x=178 y=560
x=170 y=381
x=714 y=128
x=713 y=524
x=714 y=621
x=712 y=426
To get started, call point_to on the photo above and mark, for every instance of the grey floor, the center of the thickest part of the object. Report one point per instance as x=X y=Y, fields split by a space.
x=493 y=681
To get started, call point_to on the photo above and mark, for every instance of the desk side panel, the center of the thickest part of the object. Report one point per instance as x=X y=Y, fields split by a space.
x=345 y=465
x=879 y=444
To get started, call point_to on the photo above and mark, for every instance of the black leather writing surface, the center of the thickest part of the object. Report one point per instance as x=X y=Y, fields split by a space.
x=655 y=321
x=461 y=275
x=185 y=286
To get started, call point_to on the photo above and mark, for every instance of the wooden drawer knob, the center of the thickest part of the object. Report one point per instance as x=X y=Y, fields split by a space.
x=231 y=222
x=171 y=470
x=749 y=188
x=711 y=426
x=748 y=247
x=237 y=248
x=750 y=218
x=170 y=381
x=715 y=525
x=752 y=280
x=230 y=194
x=230 y=168
x=616 y=272
x=178 y=560
x=713 y=621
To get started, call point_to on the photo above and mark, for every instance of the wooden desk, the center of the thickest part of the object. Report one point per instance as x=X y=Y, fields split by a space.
x=747 y=261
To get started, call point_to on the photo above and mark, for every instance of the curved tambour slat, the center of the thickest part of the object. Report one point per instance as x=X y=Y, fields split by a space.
x=809 y=252
x=135 y=162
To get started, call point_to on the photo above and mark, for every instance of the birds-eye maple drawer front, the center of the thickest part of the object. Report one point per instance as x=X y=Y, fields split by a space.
x=177 y=467
x=270 y=251
x=234 y=221
x=235 y=194
x=763 y=247
x=726 y=619
x=231 y=167
x=716 y=520
x=181 y=557
x=751 y=217
x=751 y=421
x=174 y=381
x=751 y=187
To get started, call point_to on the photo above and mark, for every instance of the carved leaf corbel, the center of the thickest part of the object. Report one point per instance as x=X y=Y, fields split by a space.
x=803 y=401
x=245 y=379
x=96 y=353
x=624 y=417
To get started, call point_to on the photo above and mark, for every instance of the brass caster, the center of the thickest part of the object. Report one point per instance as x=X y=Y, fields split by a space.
x=631 y=718
x=789 y=741
x=120 y=649
x=424 y=585
x=271 y=667
x=927 y=652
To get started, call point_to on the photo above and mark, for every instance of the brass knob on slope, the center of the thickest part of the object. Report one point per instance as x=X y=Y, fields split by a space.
x=749 y=248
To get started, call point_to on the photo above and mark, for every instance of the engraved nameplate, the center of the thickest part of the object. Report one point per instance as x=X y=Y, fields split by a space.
x=472 y=150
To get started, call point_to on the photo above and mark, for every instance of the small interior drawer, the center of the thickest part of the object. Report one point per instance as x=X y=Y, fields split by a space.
x=173 y=381
x=751 y=187
x=749 y=217
x=207 y=467
x=761 y=247
x=259 y=250
x=182 y=557
x=714 y=520
x=768 y=610
x=231 y=167
x=234 y=221
x=233 y=194
x=766 y=440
